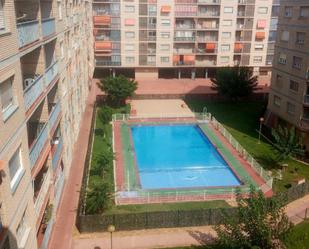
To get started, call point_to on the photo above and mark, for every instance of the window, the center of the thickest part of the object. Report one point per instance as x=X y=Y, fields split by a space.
x=15 y=168
x=285 y=35
x=129 y=9
x=225 y=59
x=294 y=85
x=226 y=35
x=258 y=47
x=282 y=58
x=165 y=22
x=290 y=108
x=2 y=22
x=129 y=47
x=6 y=94
x=262 y=10
x=277 y=101
x=227 y=22
x=165 y=35
x=129 y=22
x=61 y=49
x=300 y=37
x=130 y=59
x=129 y=34
x=165 y=59
x=225 y=47
x=304 y=12
x=228 y=10
x=272 y=36
x=151 y=58
x=279 y=80
x=21 y=231
x=257 y=59
x=165 y=47
x=297 y=62
x=288 y=11
x=59 y=6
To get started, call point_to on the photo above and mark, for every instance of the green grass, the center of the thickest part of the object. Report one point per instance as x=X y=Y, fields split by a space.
x=166 y=207
x=298 y=238
x=242 y=121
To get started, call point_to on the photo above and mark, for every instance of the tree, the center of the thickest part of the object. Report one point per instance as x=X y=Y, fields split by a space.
x=234 y=82
x=287 y=142
x=118 y=89
x=98 y=195
x=258 y=223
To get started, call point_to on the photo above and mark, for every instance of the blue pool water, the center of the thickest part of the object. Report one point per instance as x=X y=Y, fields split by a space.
x=178 y=156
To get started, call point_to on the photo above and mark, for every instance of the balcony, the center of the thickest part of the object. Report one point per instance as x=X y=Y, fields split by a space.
x=50 y=73
x=185 y=39
x=48 y=27
x=39 y=201
x=33 y=91
x=28 y=32
x=53 y=117
x=57 y=154
x=38 y=145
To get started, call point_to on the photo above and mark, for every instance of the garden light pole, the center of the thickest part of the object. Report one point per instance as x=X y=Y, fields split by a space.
x=260 y=130
x=111 y=229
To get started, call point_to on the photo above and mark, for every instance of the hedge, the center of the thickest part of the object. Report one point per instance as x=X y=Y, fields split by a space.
x=148 y=220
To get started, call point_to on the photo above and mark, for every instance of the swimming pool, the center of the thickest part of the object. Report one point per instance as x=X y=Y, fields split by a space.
x=178 y=156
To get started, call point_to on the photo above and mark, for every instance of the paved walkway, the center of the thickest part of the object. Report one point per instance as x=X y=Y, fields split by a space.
x=160 y=108
x=160 y=238
x=65 y=221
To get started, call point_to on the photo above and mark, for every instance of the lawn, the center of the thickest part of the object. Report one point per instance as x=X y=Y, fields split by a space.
x=242 y=121
x=102 y=144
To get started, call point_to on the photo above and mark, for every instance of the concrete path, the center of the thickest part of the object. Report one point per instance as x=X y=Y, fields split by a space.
x=155 y=238
x=298 y=210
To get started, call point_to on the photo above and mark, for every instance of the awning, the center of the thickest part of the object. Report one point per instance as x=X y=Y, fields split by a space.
x=238 y=46
x=261 y=24
x=129 y=22
x=176 y=58
x=103 y=45
x=103 y=20
x=260 y=35
x=166 y=9
x=189 y=58
x=210 y=46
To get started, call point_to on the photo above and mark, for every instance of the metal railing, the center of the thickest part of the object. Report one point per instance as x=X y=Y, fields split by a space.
x=53 y=117
x=38 y=145
x=264 y=174
x=57 y=154
x=32 y=92
x=51 y=73
x=42 y=194
x=28 y=32
x=48 y=26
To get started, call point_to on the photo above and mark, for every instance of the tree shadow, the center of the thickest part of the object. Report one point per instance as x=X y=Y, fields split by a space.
x=203 y=238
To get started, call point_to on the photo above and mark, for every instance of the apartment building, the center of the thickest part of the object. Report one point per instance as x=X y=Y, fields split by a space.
x=289 y=94
x=183 y=38
x=46 y=67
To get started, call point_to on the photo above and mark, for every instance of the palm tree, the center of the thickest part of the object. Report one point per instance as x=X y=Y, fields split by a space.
x=288 y=142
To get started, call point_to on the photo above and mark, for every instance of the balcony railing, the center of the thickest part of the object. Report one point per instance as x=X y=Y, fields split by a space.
x=47 y=234
x=51 y=73
x=38 y=146
x=28 y=32
x=43 y=191
x=184 y=39
x=108 y=63
x=57 y=154
x=32 y=92
x=48 y=27
x=59 y=184
x=54 y=115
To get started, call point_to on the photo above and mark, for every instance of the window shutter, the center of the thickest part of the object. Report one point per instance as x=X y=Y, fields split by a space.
x=2 y=24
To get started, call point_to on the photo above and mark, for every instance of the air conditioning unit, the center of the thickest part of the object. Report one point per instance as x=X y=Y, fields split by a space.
x=28 y=82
